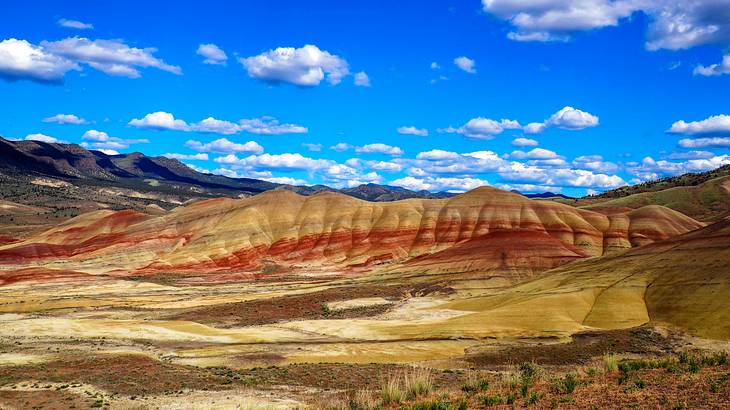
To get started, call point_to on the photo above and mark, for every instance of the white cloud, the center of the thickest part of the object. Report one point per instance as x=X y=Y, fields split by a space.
x=524 y=142
x=224 y=146
x=312 y=147
x=20 y=60
x=595 y=163
x=410 y=130
x=66 y=119
x=570 y=118
x=306 y=66
x=160 y=120
x=438 y=155
x=362 y=79
x=74 y=24
x=718 y=142
x=102 y=141
x=42 y=138
x=567 y=118
x=439 y=183
x=270 y=126
x=379 y=148
x=214 y=126
x=652 y=169
x=108 y=151
x=715 y=125
x=112 y=57
x=534 y=128
x=714 y=69
x=676 y=24
x=482 y=128
x=466 y=64
x=693 y=154
x=341 y=146
x=212 y=54
x=286 y=180
x=187 y=157
x=537 y=153
x=435 y=66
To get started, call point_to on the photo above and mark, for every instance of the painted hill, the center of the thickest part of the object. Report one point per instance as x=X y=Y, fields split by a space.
x=682 y=282
x=333 y=231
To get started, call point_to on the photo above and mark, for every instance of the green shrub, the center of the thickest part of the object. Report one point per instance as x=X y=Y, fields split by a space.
x=390 y=391
x=533 y=398
x=418 y=381
x=492 y=400
x=567 y=384
x=610 y=362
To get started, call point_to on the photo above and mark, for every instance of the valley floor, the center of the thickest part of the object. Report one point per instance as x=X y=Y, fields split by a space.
x=326 y=341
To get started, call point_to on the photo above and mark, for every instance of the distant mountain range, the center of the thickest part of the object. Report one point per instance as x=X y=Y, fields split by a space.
x=55 y=175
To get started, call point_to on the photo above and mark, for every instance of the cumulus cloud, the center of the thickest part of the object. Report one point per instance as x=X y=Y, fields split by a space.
x=567 y=118
x=437 y=155
x=410 y=130
x=466 y=64
x=537 y=153
x=112 y=57
x=212 y=54
x=270 y=126
x=187 y=157
x=341 y=147
x=74 y=24
x=714 y=69
x=99 y=140
x=379 y=148
x=214 y=126
x=714 y=125
x=362 y=79
x=595 y=163
x=692 y=154
x=716 y=142
x=66 y=119
x=435 y=66
x=42 y=138
x=306 y=66
x=649 y=168
x=439 y=183
x=482 y=128
x=673 y=24
x=524 y=142
x=224 y=146
x=160 y=120
x=21 y=60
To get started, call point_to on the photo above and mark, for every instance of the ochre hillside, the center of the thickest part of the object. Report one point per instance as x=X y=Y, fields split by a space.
x=681 y=282
x=331 y=230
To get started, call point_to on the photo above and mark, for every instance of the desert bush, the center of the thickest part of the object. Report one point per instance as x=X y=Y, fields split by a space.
x=610 y=362
x=493 y=400
x=529 y=372
x=390 y=391
x=363 y=400
x=533 y=398
x=567 y=384
x=441 y=404
x=475 y=383
x=417 y=381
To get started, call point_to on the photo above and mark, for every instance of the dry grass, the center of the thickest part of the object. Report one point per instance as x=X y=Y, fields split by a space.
x=391 y=392
x=417 y=381
x=610 y=362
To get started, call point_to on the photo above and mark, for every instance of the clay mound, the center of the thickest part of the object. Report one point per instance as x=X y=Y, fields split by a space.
x=514 y=255
x=333 y=230
x=683 y=281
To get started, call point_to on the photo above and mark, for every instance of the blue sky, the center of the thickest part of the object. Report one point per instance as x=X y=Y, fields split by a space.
x=569 y=96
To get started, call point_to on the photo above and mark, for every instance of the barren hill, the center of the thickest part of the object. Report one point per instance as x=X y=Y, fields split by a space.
x=333 y=231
